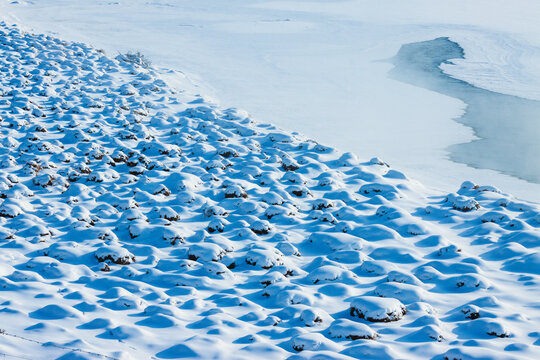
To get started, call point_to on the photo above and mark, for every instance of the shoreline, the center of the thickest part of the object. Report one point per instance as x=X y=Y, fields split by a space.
x=316 y=92
x=505 y=126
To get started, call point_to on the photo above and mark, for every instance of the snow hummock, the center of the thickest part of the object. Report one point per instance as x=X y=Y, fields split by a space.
x=376 y=309
x=345 y=328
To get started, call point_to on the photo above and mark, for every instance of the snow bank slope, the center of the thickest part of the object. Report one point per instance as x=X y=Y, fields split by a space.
x=136 y=222
x=320 y=60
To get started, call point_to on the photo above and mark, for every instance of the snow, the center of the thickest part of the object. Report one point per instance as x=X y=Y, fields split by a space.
x=375 y=309
x=352 y=330
x=116 y=254
x=322 y=66
x=233 y=238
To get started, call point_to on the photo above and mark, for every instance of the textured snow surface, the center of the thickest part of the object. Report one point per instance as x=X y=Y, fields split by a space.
x=322 y=67
x=137 y=222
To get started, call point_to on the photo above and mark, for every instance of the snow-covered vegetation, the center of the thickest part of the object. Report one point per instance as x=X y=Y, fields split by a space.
x=138 y=222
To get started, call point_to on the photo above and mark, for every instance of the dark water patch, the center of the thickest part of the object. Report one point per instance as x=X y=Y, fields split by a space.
x=508 y=127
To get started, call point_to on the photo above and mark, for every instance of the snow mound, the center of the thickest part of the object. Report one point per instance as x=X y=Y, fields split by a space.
x=115 y=254
x=351 y=330
x=377 y=309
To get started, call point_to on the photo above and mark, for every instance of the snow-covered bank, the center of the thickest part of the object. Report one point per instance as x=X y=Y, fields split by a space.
x=136 y=222
x=314 y=66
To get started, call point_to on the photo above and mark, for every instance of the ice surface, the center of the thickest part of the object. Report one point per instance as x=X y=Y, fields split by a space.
x=507 y=126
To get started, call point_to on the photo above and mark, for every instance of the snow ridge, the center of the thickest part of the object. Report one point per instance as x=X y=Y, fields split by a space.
x=138 y=222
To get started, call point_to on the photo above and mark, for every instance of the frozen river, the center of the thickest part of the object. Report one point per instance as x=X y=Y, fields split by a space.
x=507 y=127
x=321 y=68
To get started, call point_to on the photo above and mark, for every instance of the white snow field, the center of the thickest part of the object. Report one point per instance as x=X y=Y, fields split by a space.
x=321 y=67
x=140 y=222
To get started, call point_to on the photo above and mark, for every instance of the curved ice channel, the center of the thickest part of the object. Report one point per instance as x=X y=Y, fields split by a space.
x=507 y=127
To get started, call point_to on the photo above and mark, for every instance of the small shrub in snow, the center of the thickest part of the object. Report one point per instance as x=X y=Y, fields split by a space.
x=168 y=213
x=491 y=327
x=462 y=203
x=265 y=259
x=261 y=227
x=334 y=241
x=10 y=210
x=352 y=330
x=215 y=210
x=217 y=269
x=299 y=191
x=43 y=180
x=321 y=204
x=294 y=178
x=428 y=333
x=310 y=318
x=309 y=341
x=107 y=235
x=205 y=252
x=171 y=235
x=281 y=138
x=216 y=164
x=136 y=228
x=471 y=311
x=115 y=254
x=449 y=251
x=494 y=217
x=377 y=309
x=289 y=164
x=235 y=192
x=161 y=189
x=270 y=321
x=469 y=281
x=228 y=152
x=288 y=249
x=135 y=58
x=387 y=190
x=402 y=277
x=496 y=329
x=271 y=277
x=406 y=293
x=82 y=214
x=217 y=224
x=272 y=198
x=348 y=159
x=377 y=161
x=325 y=273
x=133 y=214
